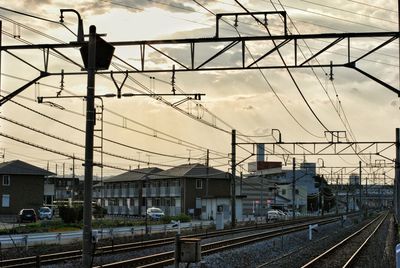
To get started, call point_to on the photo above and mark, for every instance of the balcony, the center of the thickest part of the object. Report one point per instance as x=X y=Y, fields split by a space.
x=116 y=192
x=175 y=191
x=107 y=193
x=133 y=192
x=124 y=192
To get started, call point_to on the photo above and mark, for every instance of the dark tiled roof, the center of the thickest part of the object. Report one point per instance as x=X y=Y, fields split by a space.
x=133 y=175
x=191 y=170
x=18 y=167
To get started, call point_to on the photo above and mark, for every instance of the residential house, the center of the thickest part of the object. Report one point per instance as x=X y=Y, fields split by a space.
x=122 y=194
x=22 y=186
x=193 y=189
x=62 y=190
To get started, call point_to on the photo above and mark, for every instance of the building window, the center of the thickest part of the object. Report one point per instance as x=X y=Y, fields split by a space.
x=5 y=202
x=283 y=191
x=199 y=184
x=297 y=191
x=6 y=180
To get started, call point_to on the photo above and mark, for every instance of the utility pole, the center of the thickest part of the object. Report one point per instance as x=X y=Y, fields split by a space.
x=207 y=172
x=233 y=183
x=397 y=176
x=87 y=249
x=294 y=188
x=322 y=196
x=360 y=188
x=366 y=196
x=73 y=175
x=336 y=199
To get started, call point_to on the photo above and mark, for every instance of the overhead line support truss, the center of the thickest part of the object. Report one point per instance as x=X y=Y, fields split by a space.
x=326 y=148
x=219 y=46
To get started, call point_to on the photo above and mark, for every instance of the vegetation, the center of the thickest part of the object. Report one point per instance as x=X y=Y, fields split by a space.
x=71 y=214
x=180 y=217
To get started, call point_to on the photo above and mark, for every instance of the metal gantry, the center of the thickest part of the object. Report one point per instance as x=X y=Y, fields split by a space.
x=216 y=46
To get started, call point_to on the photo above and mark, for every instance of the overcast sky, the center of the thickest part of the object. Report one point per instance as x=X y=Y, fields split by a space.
x=244 y=100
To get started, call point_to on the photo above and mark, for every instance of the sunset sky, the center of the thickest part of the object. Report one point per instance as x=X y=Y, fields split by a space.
x=150 y=130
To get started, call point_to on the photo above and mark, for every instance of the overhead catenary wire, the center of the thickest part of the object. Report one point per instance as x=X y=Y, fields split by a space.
x=346 y=122
x=163 y=100
x=106 y=139
x=104 y=165
x=265 y=79
x=287 y=69
x=81 y=145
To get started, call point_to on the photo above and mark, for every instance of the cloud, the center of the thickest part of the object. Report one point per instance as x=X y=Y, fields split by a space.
x=248 y=107
x=173 y=6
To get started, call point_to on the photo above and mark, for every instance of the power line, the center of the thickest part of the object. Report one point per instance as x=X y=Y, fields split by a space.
x=264 y=77
x=369 y=5
x=287 y=69
x=347 y=126
x=333 y=17
x=29 y=15
x=144 y=87
x=348 y=11
x=106 y=139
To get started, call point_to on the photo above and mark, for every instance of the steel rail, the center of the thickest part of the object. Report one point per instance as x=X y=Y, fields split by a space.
x=357 y=252
x=325 y=255
x=76 y=254
x=167 y=258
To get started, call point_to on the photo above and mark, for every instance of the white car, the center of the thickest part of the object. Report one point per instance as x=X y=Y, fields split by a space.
x=155 y=213
x=273 y=215
x=45 y=213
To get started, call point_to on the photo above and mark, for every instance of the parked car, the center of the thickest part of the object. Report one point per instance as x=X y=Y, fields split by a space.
x=155 y=213
x=27 y=215
x=273 y=215
x=45 y=213
x=282 y=214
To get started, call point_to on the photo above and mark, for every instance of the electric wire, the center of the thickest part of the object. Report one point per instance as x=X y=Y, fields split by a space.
x=106 y=139
x=79 y=145
x=369 y=5
x=44 y=148
x=180 y=141
x=347 y=126
x=265 y=79
x=144 y=87
x=348 y=11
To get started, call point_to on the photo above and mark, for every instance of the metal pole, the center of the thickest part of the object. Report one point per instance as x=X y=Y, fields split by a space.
x=146 y=206
x=294 y=188
x=397 y=176
x=336 y=199
x=90 y=120
x=207 y=173
x=359 y=167
x=233 y=184
x=1 y=43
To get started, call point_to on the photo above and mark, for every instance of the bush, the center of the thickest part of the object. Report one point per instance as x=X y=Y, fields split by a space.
x=71 y=214
x=99 y=212
x=180 y=217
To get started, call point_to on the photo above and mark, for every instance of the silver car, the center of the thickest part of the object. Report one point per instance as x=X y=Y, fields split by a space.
x=45 y=213
x=155 y=213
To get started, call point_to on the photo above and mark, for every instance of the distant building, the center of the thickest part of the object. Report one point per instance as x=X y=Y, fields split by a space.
x=22 y=186
x=122 y=194
x=192 y=189
x=270 y=186
x=62 y=190
x=354 y=179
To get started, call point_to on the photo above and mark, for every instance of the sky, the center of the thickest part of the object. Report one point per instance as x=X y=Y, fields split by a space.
x=146 y=131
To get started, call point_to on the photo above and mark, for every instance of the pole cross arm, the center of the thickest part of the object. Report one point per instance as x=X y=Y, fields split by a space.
x=19 y=90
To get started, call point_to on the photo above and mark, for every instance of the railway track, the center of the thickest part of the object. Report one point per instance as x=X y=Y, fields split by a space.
x=36 y=261
x=167 y=258
x=345 y=253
